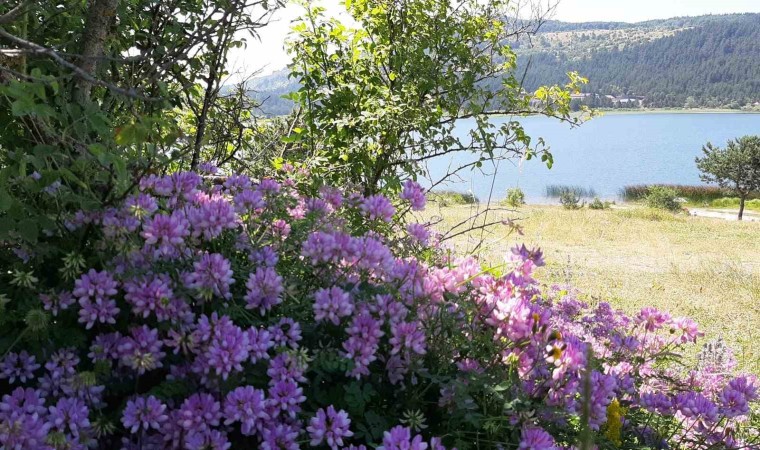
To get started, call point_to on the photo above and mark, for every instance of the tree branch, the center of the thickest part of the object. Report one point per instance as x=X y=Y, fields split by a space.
x=36 y=48
x=11 y=15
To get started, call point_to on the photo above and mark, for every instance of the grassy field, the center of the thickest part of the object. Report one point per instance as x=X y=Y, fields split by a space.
x=707 y=269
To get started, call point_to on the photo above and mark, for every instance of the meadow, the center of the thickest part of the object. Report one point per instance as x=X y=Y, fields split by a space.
x=633 y=257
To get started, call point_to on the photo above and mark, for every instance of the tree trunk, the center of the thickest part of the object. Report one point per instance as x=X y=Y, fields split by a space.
x=741 y=206
x=99 y=17
x=212 y=87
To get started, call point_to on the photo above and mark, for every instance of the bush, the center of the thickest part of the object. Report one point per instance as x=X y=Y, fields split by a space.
x=244 y=315
x=598 y=204
x=733 y=202
x=452 y=198
x=515 y=197
x=660 y=197
x=570 y=200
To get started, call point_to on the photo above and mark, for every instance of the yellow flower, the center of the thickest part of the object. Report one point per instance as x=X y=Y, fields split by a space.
x=614 y=426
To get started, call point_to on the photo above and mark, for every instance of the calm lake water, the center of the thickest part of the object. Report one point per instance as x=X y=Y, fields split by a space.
x=607 y=153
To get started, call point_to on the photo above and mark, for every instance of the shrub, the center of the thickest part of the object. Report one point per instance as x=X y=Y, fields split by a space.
x=515 y=197
x=660 y=197
x=570 y=200
x=598 y=204
x=245 y=315
x=733 y=202
x=452 y=198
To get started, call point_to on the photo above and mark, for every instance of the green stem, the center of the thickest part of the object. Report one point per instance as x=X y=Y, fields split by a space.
x=13 y=344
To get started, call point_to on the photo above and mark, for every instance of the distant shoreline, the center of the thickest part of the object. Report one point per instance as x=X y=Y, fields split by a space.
x=622 y=112
x=673 y=111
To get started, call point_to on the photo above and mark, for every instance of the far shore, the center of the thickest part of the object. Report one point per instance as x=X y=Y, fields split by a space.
x=675 y=111
x=730 y=213
x=610 y=111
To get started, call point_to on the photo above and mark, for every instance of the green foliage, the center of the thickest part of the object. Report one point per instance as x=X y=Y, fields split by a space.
x=660 y=197
x=570 y=200
x=734 y=202
x=708 y=61
x=515 y=197
x=694 y=194
x=380 y=99
x=79 y=132
x=598 y=204
x=452 y=198
x=684 y=62
x=735 y=167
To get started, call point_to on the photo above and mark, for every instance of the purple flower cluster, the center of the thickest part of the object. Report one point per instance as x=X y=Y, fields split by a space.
x=363 y=341
x=414 y=194
x=210 y=215
x=165 y=234
x=338 y=313
x=329 y=426
x=332 y=305
x=18 y=366
x=151 y=295
x=265 y=289
x=144 y=413
x=212 y=276
x=378 y=207
x=141 y=350
x=248 y=406
x=536 y=439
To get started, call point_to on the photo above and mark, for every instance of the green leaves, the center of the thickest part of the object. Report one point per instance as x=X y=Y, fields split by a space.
x=380 y=99
x=735 y=167
x=357 y=396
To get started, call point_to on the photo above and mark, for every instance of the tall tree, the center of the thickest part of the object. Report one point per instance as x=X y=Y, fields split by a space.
x=735 y=167
x=387 y=95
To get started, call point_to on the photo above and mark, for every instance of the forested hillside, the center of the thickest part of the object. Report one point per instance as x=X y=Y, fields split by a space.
x=692 y=63
x=707 y=61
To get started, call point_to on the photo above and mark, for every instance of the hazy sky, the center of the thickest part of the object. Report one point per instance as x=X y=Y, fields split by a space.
x=269 y=54
x=639 y=10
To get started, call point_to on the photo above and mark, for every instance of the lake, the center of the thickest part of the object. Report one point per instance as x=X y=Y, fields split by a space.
x=606 y=153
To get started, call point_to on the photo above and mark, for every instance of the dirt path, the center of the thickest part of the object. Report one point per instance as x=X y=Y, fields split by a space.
x=725 y=214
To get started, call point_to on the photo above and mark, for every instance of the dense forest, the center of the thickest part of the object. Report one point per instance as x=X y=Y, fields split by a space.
x=713 y=64
x=692 y=62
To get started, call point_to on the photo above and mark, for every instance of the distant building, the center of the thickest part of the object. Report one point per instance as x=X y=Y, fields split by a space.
x=626 y=100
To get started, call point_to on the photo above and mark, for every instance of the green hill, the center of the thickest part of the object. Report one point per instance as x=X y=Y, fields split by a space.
x=706 y=61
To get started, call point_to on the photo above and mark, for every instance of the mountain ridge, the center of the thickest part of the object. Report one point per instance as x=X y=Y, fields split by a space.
x=710 y=61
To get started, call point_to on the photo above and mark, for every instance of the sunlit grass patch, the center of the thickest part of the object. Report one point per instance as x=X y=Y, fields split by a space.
x=707 y=269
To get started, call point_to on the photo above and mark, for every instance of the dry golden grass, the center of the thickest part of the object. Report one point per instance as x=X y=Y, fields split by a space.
x=707 y=269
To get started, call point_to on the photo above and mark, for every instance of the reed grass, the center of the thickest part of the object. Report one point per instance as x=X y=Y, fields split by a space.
x=694 y=194
x=556 y=191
